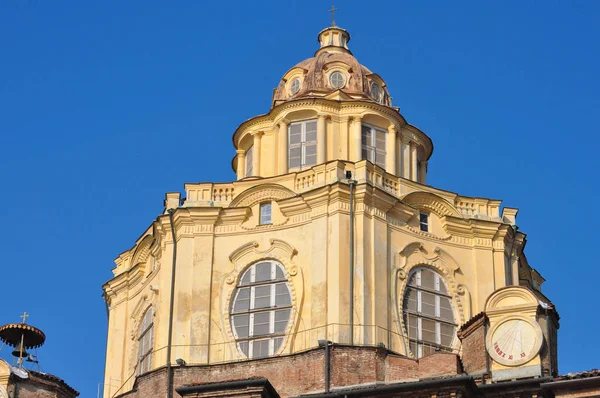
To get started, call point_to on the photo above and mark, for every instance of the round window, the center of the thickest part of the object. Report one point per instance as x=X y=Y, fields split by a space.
x=337 y=79
x=376 y=92
x=295 y=86
x=261 y=309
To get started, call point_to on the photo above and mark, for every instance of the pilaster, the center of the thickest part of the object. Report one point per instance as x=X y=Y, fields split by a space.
x=391 y=150
x=282 y=140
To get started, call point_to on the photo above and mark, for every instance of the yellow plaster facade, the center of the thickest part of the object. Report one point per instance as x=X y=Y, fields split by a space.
x=470 y=243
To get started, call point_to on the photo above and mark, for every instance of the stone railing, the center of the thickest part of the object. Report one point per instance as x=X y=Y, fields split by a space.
x=205 y=194
x=478 y=207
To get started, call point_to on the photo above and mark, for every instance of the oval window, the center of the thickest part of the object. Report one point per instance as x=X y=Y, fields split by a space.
x=337 y=80
x=428 y=313
x=295 y=86
x=261 y=309
x=376 y=92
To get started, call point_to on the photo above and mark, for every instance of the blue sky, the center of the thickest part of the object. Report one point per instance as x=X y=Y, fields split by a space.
x=106 y=105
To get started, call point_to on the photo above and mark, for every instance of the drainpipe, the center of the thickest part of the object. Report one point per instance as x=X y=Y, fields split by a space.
x=327 y=344
x=352 y=184
x=171 y=305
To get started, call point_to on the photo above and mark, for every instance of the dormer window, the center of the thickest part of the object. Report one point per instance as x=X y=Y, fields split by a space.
x=424 y=221
x=337 y=80
x=265 y=213
x=295 y=86
x=377 y=92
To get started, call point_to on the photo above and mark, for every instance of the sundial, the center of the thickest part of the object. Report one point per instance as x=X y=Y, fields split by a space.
x=514 y=341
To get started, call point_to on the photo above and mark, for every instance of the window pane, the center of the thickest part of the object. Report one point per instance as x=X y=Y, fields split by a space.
x=281 y=320
x=365 y=153
x=262 y=296
x=242 y=300
x=295 y=157
x=260 y=349
x=427 y=279
x=279 y=273
x=262 y=322
x=311 y=136
x=412 y=281
x=410 y=300
x=446 y=312
x=240 y=324
x=311 y=125
x=244 y=347
x=443 y=287
x=380 y=158
x=310 y=154
x=380 y=140
x=366 y=136
x=428 y=330
x=295 y=134
x=246 y=277
x=282 y=295
x=428 y=303
x=249 y=155
x=263 y=272
x=277 y=342
x=265 y=213
x=413 y=348
x=447 y=334
x=411 y=326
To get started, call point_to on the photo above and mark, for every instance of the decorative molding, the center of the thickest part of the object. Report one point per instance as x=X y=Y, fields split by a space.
x=243 y=257
x=431 y=202
x=415 y=255
x=258 y=193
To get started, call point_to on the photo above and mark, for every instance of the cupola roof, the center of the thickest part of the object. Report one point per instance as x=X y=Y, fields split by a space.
x=333 y=68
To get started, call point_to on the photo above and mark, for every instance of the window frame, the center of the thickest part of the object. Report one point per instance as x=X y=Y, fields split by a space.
x=344 y=79
x=303 y=144
x=265 y=205
x=272 y=336
x=249 y=161
x=372 y=147
x=419 y=342
x=424 y=225
x=145 y=354
x=294 y=80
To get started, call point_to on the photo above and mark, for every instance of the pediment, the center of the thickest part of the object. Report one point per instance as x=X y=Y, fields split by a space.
x=260 y=193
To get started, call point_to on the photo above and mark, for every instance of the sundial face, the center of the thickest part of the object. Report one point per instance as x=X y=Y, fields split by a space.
x=514 y=341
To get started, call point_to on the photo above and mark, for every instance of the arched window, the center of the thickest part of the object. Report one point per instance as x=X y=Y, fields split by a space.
x=261 y=309
x=145 y=342
x=428 y=313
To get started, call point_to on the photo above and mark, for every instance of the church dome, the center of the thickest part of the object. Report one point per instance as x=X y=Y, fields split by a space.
x=333 y=68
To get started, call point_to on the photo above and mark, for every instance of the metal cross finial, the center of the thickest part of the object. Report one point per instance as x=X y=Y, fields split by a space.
x=24 y=316
x=332 y=11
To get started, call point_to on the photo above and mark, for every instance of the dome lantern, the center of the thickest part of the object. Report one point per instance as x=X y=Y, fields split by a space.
x=333 y=39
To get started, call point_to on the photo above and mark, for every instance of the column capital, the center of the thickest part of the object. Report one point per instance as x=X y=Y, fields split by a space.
x=322 y=115
x=241 y=152
x=356 y=118
x=283 y=121
x=258 y=134
x=392 y=128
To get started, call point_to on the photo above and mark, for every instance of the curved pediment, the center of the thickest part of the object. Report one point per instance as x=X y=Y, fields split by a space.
x=431 y=202
x=511 y=297
x=142 y=251
x=260 y=193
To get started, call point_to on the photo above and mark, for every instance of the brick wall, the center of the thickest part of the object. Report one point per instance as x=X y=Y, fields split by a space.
x=474 y=353
x=303 y=373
